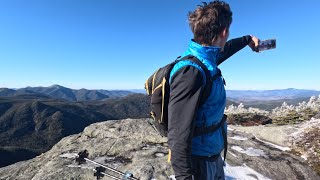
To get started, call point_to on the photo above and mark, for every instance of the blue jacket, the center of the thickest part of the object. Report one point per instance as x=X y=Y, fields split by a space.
x=211 y=112
x=187 y=81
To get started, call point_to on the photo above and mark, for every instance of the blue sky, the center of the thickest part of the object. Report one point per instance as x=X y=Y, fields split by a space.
x=111 y=44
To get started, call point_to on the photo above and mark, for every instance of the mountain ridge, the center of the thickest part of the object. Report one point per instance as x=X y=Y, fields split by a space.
x=61 y=92
x=32 y=125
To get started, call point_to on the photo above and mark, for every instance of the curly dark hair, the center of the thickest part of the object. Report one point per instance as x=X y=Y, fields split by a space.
x=209 y=20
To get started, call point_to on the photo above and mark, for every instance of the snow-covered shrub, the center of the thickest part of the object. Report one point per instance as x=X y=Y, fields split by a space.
x=247 y=117
x=288 y=114
x=241 y=110
x=285 y=114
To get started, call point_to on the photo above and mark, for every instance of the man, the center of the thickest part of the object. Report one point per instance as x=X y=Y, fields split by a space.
x=198 y=157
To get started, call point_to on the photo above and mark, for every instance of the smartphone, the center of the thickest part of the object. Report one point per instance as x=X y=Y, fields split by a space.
x=267 y=44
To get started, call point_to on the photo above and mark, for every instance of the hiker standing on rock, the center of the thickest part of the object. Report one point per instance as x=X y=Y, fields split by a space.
x=196 y=122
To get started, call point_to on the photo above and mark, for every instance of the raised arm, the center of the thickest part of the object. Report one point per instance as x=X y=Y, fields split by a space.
x=234 y=45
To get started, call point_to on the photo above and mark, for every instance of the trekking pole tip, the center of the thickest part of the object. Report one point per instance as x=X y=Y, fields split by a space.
x=128 y=175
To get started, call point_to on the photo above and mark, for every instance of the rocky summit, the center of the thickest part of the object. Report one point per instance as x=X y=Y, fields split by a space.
x=132 y=145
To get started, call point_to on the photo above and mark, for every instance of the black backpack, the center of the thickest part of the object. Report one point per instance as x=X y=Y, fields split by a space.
x=158 y=90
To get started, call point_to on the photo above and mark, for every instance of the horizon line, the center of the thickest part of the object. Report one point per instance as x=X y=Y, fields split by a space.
x=128 y=89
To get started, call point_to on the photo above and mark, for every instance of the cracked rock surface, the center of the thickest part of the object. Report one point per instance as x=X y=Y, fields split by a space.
x=133 y=145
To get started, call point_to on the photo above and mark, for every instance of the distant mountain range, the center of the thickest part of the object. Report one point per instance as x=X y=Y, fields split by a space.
x=33 y=119
x=60 y=92
x=289 y=94
x=265 y=99
x=268 y=95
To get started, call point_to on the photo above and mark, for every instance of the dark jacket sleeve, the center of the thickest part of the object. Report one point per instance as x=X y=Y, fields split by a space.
x=186 y=86
x=233 y=46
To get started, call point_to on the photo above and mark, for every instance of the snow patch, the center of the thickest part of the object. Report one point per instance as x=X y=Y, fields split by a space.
x=304 y=156
x=269 y=143
x=273 y=145
x=159 y=154
x=242 y=173
x=230 y=129
x=237 y=148
x=238 y=173
x=232 y=154
x=82 y=166
x=239 y=138
x=250 y=151
x=69 y=155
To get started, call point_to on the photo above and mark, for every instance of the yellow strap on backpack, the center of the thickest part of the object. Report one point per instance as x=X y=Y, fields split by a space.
x=169 y=156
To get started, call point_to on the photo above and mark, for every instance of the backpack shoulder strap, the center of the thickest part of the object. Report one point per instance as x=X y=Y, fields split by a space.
x=209 y=78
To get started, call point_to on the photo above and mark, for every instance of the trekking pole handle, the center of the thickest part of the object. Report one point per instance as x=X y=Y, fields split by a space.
x=108 y=175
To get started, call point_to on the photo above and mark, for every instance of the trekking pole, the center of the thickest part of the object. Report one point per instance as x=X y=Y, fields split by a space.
x=125 y=175
x=82 y=157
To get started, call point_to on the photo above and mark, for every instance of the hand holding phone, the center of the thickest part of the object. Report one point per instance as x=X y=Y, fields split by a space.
x=254 y=43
